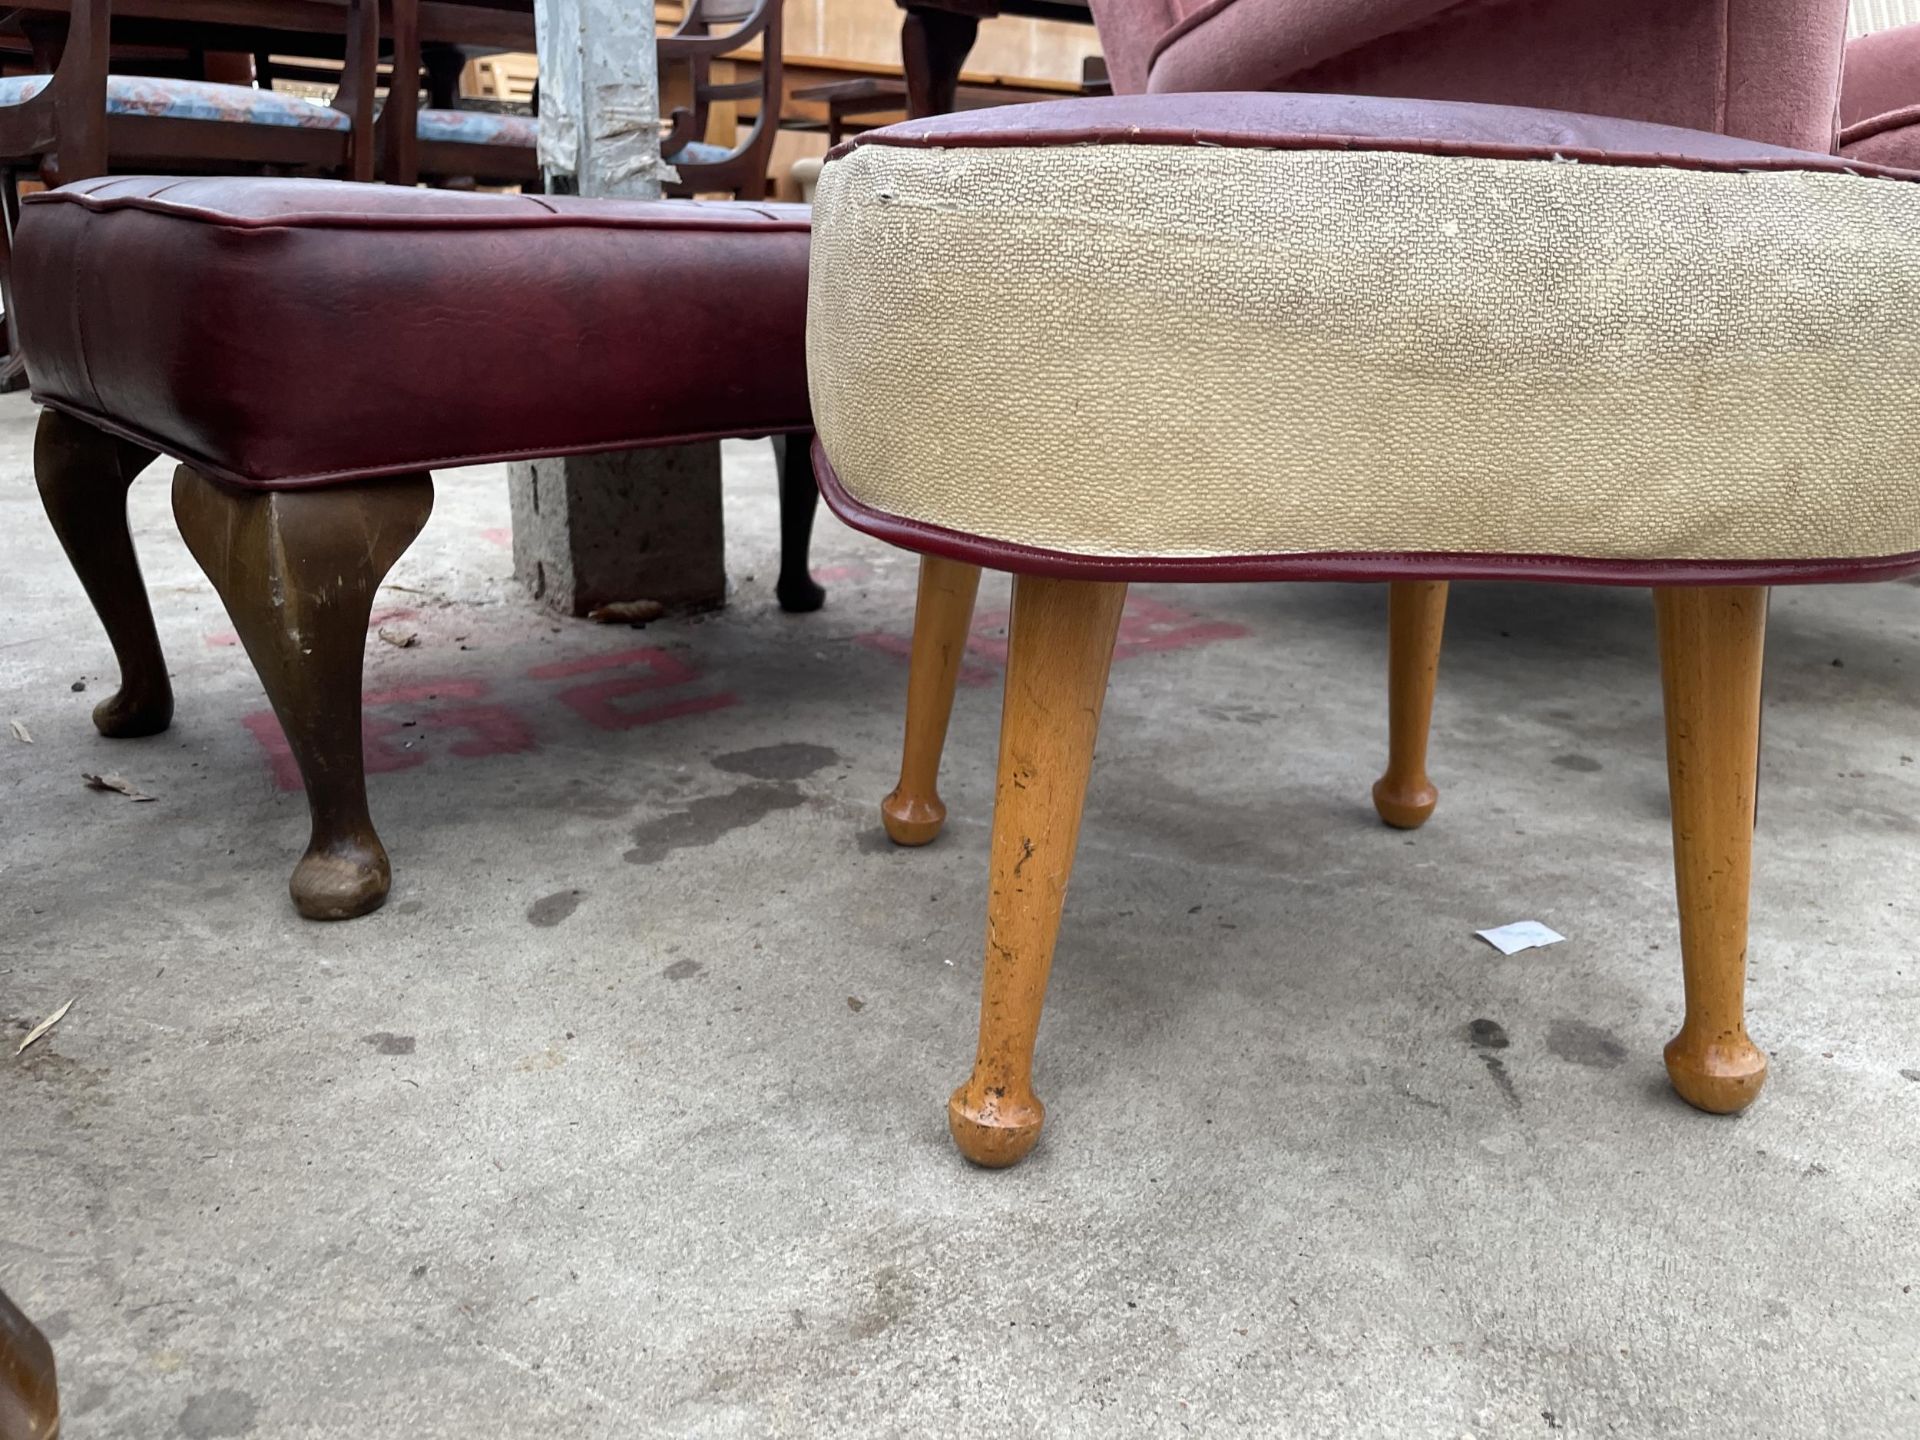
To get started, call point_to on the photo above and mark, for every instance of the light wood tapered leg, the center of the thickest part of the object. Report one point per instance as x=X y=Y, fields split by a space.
x=1060 y=648
x=297 y=570
x=913 y=813
x=1711 y=641
x=83 y=474
x=1416 y=619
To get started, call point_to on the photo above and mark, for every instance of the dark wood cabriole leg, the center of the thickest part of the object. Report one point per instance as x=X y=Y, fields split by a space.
x=1711 y=642
x=83 y=474
x=1060 y=648
x=297 y=571
x=799 y=497
x=914 y=813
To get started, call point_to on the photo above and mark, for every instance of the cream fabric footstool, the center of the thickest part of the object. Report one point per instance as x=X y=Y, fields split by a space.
x=1293 y=337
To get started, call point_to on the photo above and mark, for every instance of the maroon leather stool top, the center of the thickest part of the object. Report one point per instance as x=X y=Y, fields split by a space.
x=286 y=333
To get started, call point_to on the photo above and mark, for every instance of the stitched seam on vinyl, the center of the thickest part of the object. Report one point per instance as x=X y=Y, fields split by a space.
x=100 y=414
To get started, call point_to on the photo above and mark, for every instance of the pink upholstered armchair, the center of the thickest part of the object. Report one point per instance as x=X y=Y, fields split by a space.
x=1763 y=69
x=1766 y=70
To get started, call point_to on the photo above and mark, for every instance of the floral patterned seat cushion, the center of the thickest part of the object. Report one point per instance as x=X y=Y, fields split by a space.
x=193 y=100
x=698 y=152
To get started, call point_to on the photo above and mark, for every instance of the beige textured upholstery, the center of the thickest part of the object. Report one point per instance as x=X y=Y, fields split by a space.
x=1187 y=351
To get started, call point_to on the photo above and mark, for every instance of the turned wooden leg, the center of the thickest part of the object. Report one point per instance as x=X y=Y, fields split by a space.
x=83 y=475
x=1416 y=616
x=297 y=570
x=799 y=497
x=1061 y=645
x=29 y=1393
x=913 y=813
x=1710 y=648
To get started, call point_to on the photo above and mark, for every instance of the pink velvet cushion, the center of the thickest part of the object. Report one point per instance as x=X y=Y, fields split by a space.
x=1880 y=98
x=1882 y=75
x=1763 y=69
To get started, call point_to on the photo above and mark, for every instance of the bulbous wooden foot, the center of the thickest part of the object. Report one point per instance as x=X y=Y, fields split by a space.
x=1402 y=807
x=914 y=813
x=994 y=1129
x=1416 y=620
x=83 y=475
x=1719 y=1074
x=1711 y=644
x=297 y=571
x=796 y=589
x=1059 y=650
x=349 y=877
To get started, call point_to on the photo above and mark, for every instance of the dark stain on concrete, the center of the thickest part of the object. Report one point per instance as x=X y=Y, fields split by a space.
x=87 y=1398
x=550 y=910
x=214 y=1413
x=1488 y=1036
x=683 y=969
x=1584 y=764
x=388 y=1043
x=1583 y=1044
x=1910 y=1075
x=699 y=823
x=791 y=761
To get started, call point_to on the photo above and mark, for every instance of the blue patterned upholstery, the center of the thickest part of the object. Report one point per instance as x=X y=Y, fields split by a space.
x=193 y=100
x=479 y=127
x=699 y=152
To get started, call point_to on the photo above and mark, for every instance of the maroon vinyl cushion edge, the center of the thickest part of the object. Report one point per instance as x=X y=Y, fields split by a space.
x=1017 y=559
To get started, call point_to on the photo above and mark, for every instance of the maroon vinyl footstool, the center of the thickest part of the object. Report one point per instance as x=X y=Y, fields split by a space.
x=310 y=351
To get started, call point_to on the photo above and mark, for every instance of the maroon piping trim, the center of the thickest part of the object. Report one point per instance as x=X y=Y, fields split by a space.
x=1879 y=124
x=928 y=539
x=1410 y=145
x=319 y=480
x=541 y=218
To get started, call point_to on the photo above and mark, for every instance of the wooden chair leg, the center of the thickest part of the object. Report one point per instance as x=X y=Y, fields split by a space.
x=1416 y=618
x=1061 y=646
x=29 y=1390
x=913 y=813
x=297 y=570
x=799 y=497
x=1710 y=661
x=83 y=474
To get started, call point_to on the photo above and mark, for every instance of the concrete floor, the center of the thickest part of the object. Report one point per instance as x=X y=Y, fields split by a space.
x=626 y=1115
